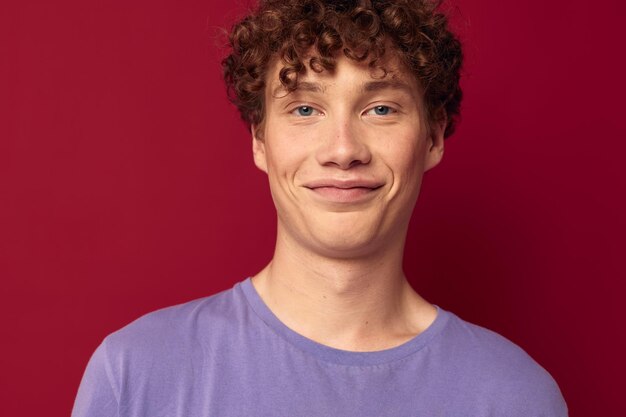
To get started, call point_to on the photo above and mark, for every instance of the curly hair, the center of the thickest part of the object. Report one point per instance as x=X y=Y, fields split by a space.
x=311 y=33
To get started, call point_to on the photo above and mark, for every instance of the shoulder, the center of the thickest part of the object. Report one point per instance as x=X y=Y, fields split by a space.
x=480 y=343
x=501 y=371
x=174 y=319
x=155 y=359
x=173 y=335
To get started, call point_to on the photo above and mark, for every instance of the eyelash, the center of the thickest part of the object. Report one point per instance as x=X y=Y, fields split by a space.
x=296 y=111
x=390 y=110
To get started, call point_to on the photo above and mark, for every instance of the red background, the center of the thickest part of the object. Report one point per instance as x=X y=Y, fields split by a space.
x=127 y=184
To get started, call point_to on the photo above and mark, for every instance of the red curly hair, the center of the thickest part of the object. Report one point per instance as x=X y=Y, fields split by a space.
x=311 y=33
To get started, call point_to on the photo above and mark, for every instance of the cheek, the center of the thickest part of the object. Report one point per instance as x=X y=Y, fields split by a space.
x=406 y=157
x=405 y=160
x=284 y=160
x=288 y=149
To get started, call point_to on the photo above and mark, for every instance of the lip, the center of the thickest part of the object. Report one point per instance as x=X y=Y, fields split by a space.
x=344 y=191
x=344 y=183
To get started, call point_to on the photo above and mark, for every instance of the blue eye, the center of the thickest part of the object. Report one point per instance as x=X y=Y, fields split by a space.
x=381 y=110
x=304 y=110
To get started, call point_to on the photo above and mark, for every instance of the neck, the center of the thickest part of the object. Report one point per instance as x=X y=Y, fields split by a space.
x=359 y=303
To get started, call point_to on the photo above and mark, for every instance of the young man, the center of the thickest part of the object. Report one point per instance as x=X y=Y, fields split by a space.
x=349 y=103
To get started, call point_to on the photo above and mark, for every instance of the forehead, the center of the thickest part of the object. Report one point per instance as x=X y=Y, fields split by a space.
x=388 y=72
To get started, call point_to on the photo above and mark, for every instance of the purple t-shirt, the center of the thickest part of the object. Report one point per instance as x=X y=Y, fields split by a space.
x=228 y=355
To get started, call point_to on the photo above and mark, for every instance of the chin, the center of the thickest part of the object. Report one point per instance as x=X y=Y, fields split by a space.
x=345 y=242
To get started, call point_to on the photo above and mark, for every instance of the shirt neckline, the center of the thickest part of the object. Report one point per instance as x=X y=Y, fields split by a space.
x=339 y=356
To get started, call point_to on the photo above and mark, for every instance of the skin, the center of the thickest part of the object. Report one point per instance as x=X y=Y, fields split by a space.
x=345 y=155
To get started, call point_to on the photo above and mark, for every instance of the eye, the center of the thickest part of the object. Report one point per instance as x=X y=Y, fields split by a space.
x=304 y=111
x=380 y=110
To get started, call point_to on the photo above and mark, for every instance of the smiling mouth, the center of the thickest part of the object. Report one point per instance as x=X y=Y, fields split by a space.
x=343 y=194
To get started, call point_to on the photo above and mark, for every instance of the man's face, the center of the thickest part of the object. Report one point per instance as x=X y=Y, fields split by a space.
x=345 y=155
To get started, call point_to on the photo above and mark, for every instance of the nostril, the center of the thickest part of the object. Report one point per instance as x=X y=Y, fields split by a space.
x=344 y=147
x=355 y=163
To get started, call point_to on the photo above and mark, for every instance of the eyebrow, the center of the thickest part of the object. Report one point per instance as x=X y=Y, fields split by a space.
x=368 y=87
x=302 y=86
x=373 y=86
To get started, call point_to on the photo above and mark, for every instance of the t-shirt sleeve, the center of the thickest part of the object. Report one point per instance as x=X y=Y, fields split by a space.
x=532 y=392
x=544 y=400
x=97 y=396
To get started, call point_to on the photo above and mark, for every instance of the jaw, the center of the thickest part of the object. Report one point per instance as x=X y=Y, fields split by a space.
x=348 y=234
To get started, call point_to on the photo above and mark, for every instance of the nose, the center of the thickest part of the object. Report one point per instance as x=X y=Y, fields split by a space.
x=343 y=147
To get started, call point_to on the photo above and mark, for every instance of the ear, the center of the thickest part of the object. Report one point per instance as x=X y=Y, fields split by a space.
x=434 y=153
x=258 y=149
